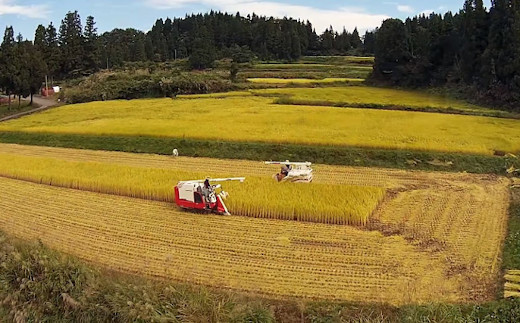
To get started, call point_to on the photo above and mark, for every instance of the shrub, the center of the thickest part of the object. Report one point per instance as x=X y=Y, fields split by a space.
x=127 y=86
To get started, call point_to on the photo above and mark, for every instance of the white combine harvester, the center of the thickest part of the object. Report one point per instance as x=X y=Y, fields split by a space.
x=293 y=172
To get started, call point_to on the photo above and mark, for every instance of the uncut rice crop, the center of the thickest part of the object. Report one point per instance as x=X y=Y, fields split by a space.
x=332 y=204
x=258 y=197
x=256 y=119
x=372 y=95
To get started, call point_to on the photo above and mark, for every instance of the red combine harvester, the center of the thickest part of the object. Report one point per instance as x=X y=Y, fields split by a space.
x=201 y=195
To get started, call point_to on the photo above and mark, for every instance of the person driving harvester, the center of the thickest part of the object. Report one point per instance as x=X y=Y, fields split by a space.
x=284 y=172
x=206 y=190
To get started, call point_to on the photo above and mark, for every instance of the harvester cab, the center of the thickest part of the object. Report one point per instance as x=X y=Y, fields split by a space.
x=202 y=195
x=293 y=172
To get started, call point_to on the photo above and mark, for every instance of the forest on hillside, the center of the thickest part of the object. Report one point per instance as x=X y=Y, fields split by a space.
x=475 y=50
x=73 y=50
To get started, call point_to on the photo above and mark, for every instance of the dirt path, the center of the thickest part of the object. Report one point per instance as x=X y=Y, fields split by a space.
x=44 y=104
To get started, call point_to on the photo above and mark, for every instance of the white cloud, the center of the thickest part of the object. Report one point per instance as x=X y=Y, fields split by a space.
x=426 y=12
x=404 y=8
x=321 y=19
x=9 y=7
x=169 y=4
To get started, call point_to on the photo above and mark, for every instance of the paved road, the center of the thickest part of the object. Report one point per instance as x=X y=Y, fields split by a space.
x=43 y=102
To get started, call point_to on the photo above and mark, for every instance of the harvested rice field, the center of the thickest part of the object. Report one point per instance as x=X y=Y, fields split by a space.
x=435 y=237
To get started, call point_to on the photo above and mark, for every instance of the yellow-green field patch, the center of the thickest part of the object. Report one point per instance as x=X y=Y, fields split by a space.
x=372 y=95
x=256 y=119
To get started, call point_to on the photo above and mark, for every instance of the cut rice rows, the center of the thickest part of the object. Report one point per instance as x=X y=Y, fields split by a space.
x=277 y=258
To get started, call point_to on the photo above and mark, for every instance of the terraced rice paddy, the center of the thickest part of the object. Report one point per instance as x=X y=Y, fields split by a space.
x=337 y=60
x=367 y=95
x=313 y=68
x=257 y=119
x=437 y=238
x=304 y=66
x=304 y=81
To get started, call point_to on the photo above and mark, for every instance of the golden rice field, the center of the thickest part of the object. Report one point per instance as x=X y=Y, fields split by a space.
x=372 y=95
x=258 y=197
x=303 y=81
x=256 y=119
x=432 y=239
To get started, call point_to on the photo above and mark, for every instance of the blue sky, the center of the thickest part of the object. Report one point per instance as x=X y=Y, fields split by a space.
x=25 y=15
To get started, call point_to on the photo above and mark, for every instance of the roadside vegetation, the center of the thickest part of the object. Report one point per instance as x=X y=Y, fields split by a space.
x=6 y=111
x=38 y=284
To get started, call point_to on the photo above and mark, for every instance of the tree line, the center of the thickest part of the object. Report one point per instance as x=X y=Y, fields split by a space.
x=476 y=50
x=73 y=50
x=217 y=33
x=22 y=66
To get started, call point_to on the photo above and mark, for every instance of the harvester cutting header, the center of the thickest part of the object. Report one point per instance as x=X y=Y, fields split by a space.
x=293 y=172
x=201 y=195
